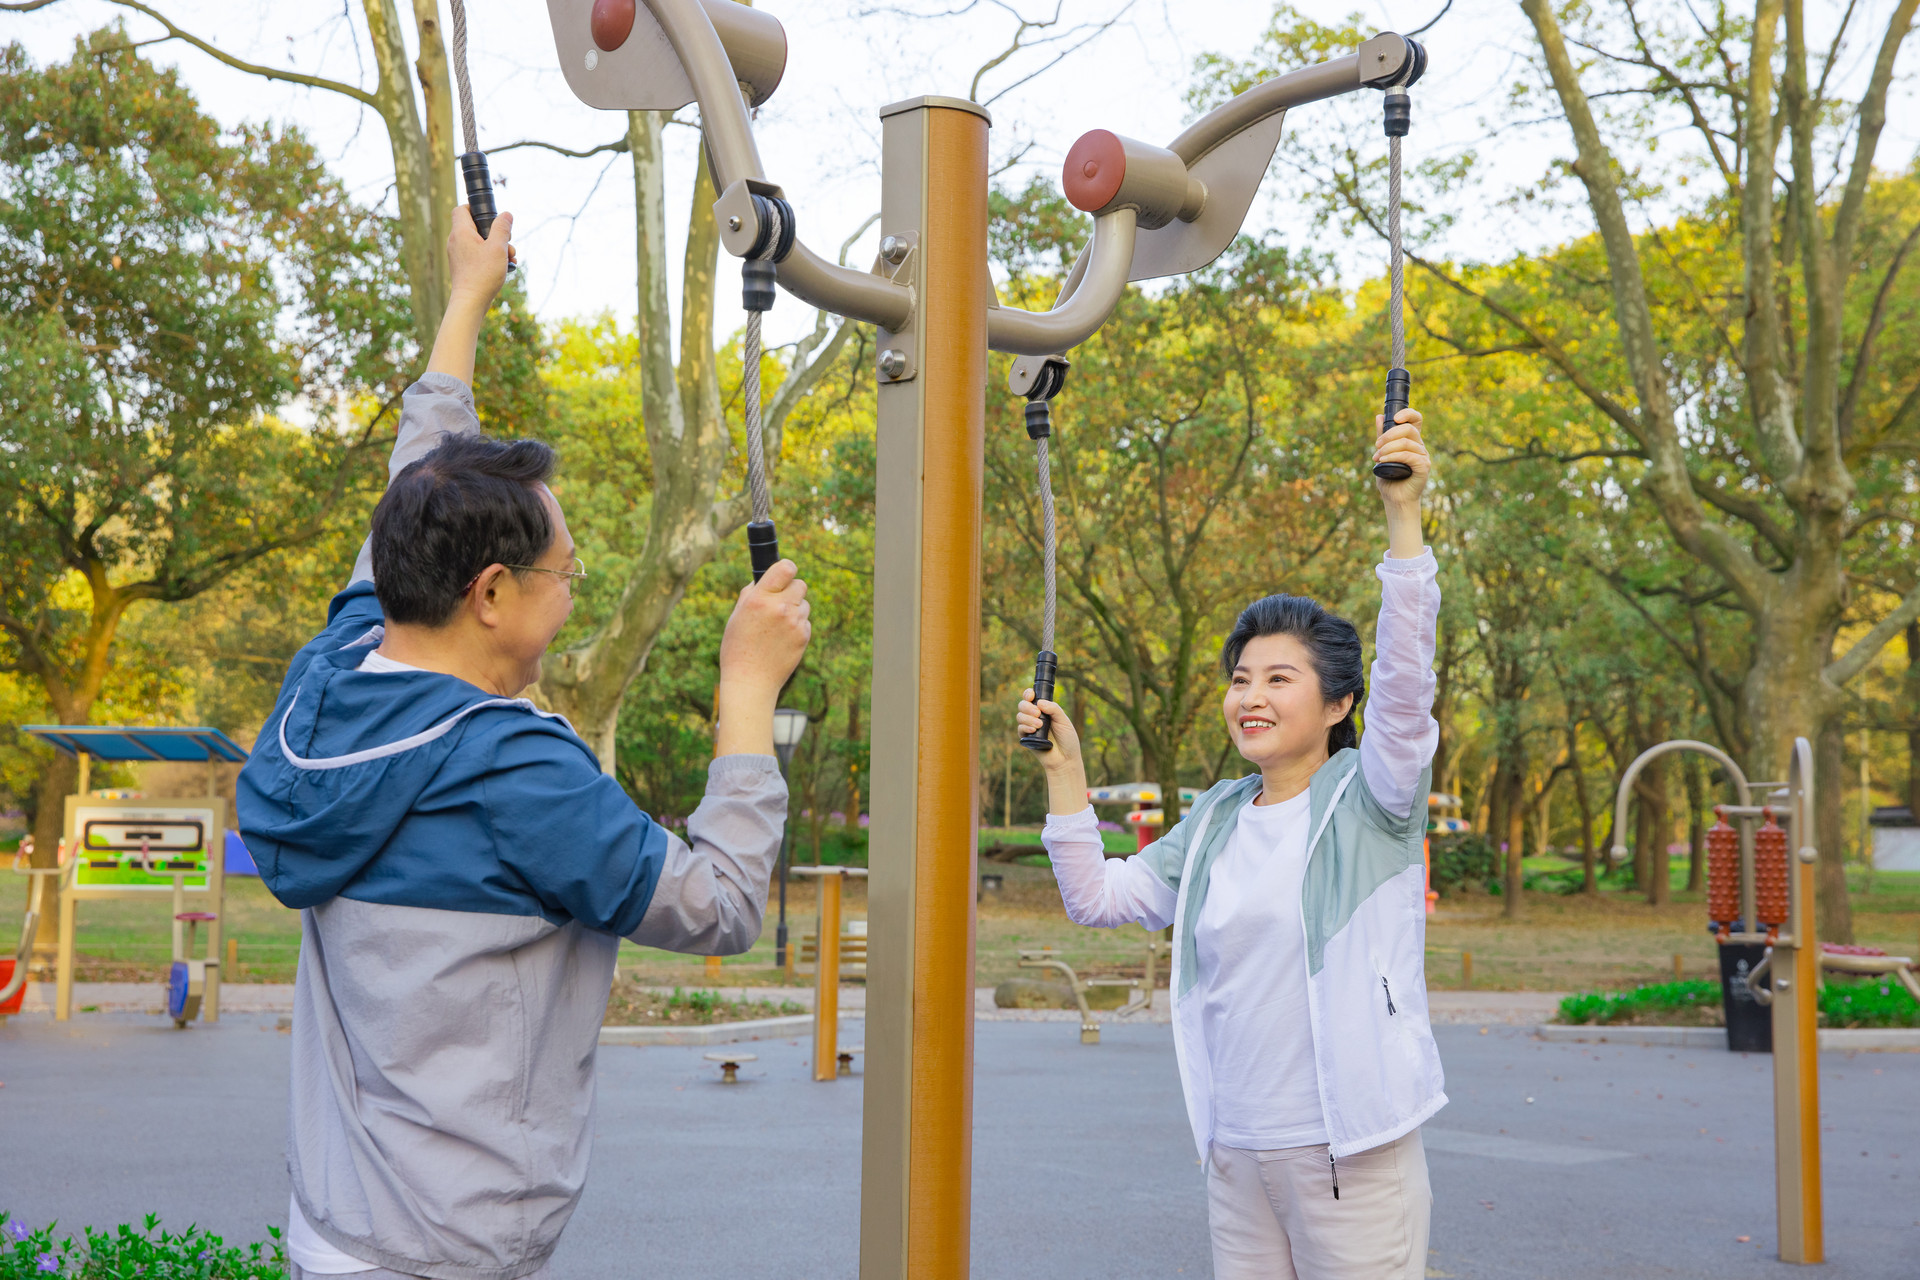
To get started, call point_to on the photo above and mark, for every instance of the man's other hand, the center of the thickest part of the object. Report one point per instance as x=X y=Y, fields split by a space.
x=768 y=633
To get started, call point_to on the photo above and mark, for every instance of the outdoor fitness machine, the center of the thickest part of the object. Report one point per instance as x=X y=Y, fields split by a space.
x=1157 y=211
x=143 y=849
x=1760 y=896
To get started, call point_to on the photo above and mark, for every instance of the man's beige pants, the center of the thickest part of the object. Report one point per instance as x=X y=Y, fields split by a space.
x=1274 y=1217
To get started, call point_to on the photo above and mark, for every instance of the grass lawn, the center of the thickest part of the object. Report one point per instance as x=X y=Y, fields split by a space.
x=1562 y=943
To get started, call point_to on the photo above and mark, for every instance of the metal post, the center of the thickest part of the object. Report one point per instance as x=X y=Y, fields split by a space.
x=826 y=983
x=917 y=1169
x=1796 y=1070
x=63 y=959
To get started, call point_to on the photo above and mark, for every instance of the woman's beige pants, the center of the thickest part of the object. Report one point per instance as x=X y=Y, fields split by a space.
x=1274 y=1217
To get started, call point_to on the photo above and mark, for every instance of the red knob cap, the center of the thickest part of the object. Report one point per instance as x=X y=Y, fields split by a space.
x=612 y=23
x=1095 y=167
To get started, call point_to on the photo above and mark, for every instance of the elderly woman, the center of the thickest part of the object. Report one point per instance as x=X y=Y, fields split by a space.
x=1297 y=900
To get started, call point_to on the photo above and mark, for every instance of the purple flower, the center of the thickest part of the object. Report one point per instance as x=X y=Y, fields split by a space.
x=864 y=820
x=46 y=1262
x=18 y=1230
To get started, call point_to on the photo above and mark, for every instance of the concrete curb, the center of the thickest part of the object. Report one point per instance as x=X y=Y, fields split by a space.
x=1833 y=1040
x=800 y=1024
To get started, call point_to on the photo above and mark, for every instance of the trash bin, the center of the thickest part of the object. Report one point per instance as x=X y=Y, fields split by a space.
x=1749 y=1023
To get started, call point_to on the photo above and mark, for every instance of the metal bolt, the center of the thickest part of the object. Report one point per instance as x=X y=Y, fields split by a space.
x=893 y=363
x=894 y=249
x=593 y=59
x=733 y=223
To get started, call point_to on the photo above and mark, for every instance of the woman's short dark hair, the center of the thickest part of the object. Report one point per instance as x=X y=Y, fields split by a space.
x=469 y=503
x=1331 y=641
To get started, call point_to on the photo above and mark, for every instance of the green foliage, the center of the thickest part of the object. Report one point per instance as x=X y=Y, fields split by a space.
x=127 y=1252
x=165 y=286
x=1867 y=1002
x=1602 y=1007
x=1463 y=860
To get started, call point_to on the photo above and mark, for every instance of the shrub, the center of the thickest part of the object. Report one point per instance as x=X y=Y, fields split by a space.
x=1874 y=1002
x=193 y=1254
x=1602 y=1007
x=1463 y=860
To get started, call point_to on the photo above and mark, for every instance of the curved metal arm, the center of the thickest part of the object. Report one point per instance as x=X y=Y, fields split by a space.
x=24 y=952
x=1762 y=996
x=731 y=151
x=1734 y=773
x=844 y=291
x=1316 y=83
x=1094 y=293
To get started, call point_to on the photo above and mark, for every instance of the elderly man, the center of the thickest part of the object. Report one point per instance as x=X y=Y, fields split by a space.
x=464 y=869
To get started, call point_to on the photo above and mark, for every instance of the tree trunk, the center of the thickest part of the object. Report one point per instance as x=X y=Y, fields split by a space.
x=423 y=182
x=1589 y=878
x=1696 y=825
x=1834 y=906
x=1912 y=686
x=1515 y=887
x=49 y=819
x=1787 y=695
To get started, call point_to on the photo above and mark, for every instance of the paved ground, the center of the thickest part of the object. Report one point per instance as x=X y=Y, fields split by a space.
x=1629 y=1162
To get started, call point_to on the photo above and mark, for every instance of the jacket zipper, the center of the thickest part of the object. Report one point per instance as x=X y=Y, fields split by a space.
x=1391 y=1011
x=1333 y=1170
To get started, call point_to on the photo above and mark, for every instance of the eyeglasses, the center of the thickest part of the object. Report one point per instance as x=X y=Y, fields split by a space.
x=579 y=570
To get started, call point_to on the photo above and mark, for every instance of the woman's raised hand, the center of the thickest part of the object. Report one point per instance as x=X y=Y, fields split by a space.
x=1066 y=742
x=1402 y=443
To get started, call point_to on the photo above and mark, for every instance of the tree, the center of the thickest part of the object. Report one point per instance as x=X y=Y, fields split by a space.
x=419 y=134
x=697 y=498
x=163 y=288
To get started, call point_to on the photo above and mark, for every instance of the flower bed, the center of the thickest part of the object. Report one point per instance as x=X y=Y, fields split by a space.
x=193 y=1254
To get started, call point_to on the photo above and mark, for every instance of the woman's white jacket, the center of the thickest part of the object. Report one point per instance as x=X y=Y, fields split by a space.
x=1363 y=896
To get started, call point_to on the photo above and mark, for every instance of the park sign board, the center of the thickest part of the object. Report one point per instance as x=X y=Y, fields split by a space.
x=142 y=845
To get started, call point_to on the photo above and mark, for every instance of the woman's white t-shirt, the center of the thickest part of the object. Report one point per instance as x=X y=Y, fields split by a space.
x=1251 y=943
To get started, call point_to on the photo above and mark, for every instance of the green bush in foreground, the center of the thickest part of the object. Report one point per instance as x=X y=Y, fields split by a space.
x=125 y=1253
x=1879 y=1002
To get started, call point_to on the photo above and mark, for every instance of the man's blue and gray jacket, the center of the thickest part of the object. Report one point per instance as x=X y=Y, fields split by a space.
x=465 y=872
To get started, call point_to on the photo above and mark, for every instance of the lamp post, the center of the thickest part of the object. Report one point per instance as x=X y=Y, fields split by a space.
x=788 y=726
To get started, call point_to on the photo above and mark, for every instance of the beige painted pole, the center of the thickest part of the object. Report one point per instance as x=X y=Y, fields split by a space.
x=916 y=1141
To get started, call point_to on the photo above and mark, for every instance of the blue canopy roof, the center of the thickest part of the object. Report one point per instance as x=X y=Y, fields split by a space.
x=124 y=742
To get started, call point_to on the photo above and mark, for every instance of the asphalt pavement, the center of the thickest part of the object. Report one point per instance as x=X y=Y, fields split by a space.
x=1627 y=1162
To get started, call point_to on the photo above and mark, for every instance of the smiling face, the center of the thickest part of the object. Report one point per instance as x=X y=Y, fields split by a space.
x=1274 y=709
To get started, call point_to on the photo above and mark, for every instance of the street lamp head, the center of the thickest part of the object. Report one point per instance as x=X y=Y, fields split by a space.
x=788 y=726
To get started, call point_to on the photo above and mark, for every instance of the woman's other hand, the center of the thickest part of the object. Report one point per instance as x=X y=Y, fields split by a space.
x=1066 y=742
x=1066 y=776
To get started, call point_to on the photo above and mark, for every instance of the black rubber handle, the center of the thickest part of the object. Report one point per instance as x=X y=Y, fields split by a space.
x=1044 y=666
x=763 y=546
x=1399 y=394
x=473 y=170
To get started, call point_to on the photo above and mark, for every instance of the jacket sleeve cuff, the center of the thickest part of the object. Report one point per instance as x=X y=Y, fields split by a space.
x=1420 y=566
x=1073 y=824
x=736 y=774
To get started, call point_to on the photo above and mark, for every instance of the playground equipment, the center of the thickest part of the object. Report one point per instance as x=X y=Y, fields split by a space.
x=826 y=977
x=1146 y=817
x=1760 y=896
x=1142 y=987
x=730 y=1064
x=15 y=971
x=137 y=848
x=1157 y=211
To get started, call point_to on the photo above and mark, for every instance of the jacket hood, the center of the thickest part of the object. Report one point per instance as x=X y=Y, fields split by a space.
x=345 y=758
